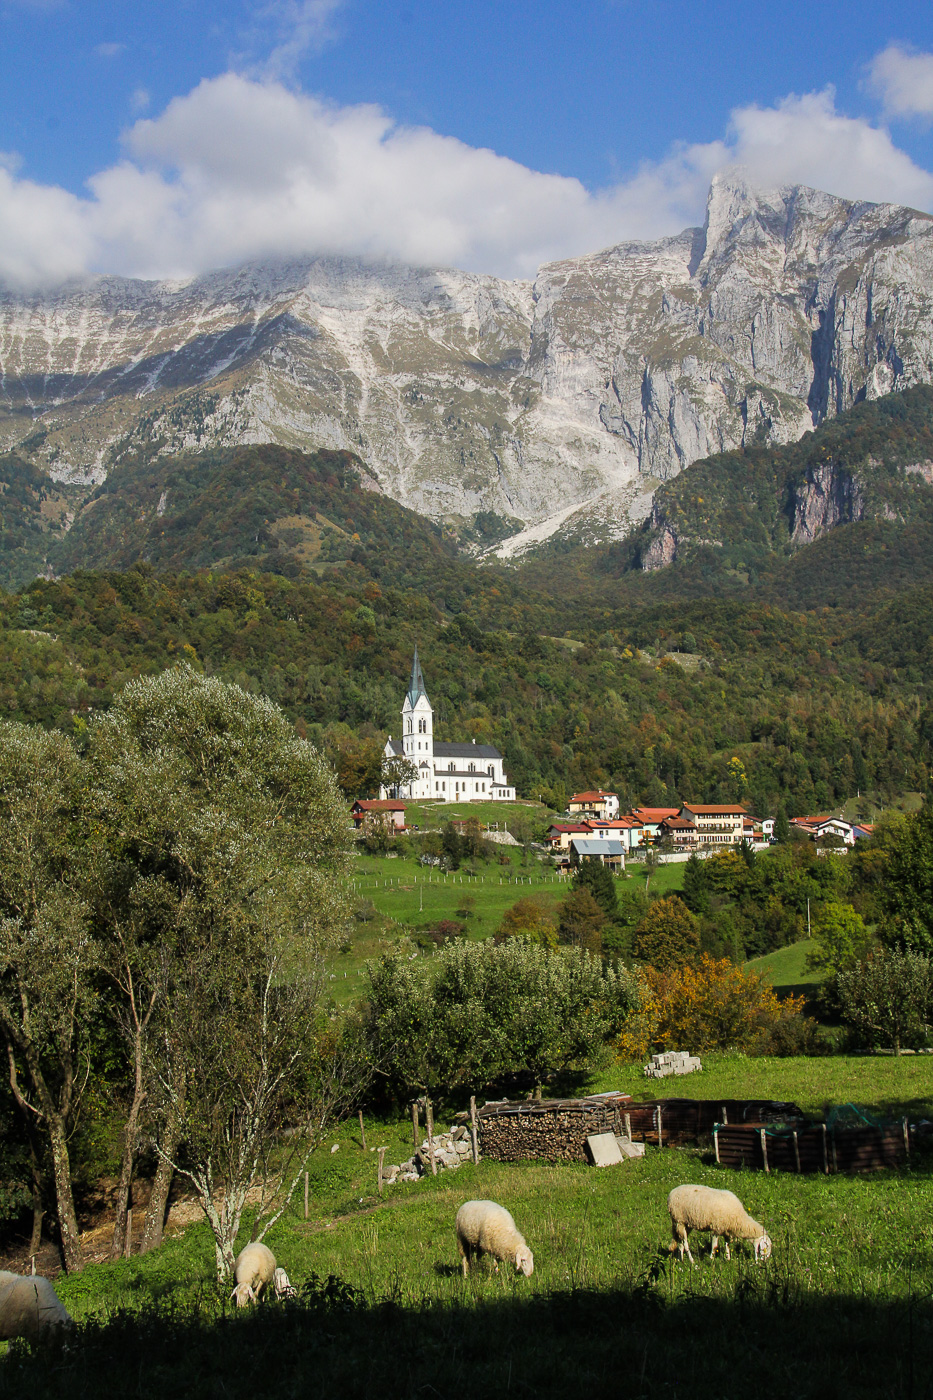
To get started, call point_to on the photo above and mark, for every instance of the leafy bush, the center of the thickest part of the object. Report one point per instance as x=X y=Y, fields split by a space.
x=714 y=1005
x=888 y=997
x=480 y=1013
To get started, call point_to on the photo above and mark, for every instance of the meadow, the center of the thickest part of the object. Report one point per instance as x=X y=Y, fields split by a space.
x=845 y=1305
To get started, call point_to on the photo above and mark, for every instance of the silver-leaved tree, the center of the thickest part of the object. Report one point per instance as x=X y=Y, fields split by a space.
x=219 y=889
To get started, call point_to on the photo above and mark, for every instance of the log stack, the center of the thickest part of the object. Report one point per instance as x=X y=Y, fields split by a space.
x=548 y=1130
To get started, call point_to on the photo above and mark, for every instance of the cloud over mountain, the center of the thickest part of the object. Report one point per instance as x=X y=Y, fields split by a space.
x=243 y=168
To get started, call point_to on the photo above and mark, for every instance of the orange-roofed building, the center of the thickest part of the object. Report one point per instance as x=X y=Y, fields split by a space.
x=597 y=804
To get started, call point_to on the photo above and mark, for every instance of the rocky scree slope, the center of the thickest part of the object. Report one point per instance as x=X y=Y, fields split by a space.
x=557 y=405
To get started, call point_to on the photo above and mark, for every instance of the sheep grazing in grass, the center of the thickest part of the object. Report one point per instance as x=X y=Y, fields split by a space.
x=253 y=1270
x=719 y=1212
x=282 y=1285
x=486 y=1228
x=29 y=1307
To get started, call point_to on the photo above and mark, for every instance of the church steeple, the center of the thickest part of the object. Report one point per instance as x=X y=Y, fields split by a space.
x=416 y=684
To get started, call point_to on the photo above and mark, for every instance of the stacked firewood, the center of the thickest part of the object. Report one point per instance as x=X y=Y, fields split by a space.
x=549 y=1130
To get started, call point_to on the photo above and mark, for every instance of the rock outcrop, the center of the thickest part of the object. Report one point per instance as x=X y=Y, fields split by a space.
x=553 y=402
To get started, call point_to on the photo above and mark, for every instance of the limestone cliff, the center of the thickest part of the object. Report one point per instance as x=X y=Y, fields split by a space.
x=553 y=402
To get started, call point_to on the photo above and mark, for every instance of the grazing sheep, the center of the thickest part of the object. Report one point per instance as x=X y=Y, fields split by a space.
x=253 y=1270
x=720 y=1212
x=486 y=1228
x=282 y=1285
x=29 y=1307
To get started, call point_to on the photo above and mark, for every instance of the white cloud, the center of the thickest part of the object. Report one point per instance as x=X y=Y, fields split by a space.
x=241 y=169
x=139 y=100
x=109 y=50
x=284 y=31
x=903 y=79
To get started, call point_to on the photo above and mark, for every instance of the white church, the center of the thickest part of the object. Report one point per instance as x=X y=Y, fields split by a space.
x=446 y=772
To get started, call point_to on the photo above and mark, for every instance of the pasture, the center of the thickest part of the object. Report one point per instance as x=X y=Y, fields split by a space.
x=844 y=1307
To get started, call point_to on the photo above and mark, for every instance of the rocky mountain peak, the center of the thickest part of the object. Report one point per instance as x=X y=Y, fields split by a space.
x=556 y=405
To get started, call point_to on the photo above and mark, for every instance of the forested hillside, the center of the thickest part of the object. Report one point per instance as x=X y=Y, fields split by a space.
x=794 y=674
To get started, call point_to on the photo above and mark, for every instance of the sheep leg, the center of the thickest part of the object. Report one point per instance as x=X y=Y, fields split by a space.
x=725 y=1245
x=714 y=1247
x=464 y=1257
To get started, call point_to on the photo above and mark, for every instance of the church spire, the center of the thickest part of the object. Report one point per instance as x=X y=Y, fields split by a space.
x=416 y=684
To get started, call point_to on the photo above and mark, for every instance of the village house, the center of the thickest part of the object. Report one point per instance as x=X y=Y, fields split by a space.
x=681 y=834
x=388 y=810
x=628 y=830
x=446 y=772
x=820 y=827
x=559 y=834
x=593 y=848
x=717 y=825
x=651 y=819
x=594 y=804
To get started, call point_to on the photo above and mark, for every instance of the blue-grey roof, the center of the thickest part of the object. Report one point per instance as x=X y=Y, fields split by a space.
x=586 y=846
x=466 y=751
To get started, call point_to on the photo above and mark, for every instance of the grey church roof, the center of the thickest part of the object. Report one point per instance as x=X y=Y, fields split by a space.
x=466 y=751
x=416 y=684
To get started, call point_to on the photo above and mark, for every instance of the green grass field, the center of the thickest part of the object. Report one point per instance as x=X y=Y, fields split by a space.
x=842 y=1309
x=786 y=970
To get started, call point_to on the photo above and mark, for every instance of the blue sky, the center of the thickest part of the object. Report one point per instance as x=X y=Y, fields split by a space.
x=164 y=139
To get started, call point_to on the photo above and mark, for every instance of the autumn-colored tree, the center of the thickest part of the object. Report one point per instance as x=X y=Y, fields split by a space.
x=668 y=935
x=528 y=918
x=712 y=1004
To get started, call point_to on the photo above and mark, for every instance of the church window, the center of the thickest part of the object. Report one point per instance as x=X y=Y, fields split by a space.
x=472 y=768
x=490 y=771
x=452 y=769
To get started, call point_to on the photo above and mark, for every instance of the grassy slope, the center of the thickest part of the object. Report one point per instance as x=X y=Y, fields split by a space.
x=786 y=969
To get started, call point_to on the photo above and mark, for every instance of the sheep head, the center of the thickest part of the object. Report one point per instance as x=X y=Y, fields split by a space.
x=243 y=1295
x=282 y=1285
x=524 y=1261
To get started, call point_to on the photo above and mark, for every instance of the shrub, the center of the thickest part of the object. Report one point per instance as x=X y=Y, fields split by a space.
x=887 y=997
x=478 y=1013
x=713 y=1005
x=529 y=919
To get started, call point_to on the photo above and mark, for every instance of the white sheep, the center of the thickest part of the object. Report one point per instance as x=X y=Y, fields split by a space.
x=29 y=1307
x=720 y=1212
x=282 y=1285
x=486 y=1228
x=253 y=1270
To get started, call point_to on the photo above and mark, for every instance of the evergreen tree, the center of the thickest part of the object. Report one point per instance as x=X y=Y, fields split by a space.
x=696 y=885
x=596 y=877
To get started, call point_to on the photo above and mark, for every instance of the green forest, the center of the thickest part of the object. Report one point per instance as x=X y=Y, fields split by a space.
x=641 y=683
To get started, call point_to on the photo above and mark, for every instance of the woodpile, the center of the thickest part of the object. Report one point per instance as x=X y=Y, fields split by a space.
x=548 y=1130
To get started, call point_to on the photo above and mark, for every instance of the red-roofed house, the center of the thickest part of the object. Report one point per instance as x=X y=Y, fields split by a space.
x=721 y=824
x=597 y=804
x=560 y=834
x=388 y=809
x=818 y=828
x=628 y=830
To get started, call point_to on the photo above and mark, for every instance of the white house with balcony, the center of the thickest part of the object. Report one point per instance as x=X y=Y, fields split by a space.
x=468 y=772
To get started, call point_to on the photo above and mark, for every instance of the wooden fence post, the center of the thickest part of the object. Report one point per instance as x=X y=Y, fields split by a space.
x=473 y=1133
x=716 y=1142
x=764 y=1149
x=660 y=1138
x=430 y=1117
x=906 y=1128
x=382 y=1153
x=796 y=1150
x=825 y=1154
x=362 y=1130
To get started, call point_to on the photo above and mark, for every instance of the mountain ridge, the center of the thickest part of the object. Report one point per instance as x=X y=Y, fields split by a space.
x=548 y=403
